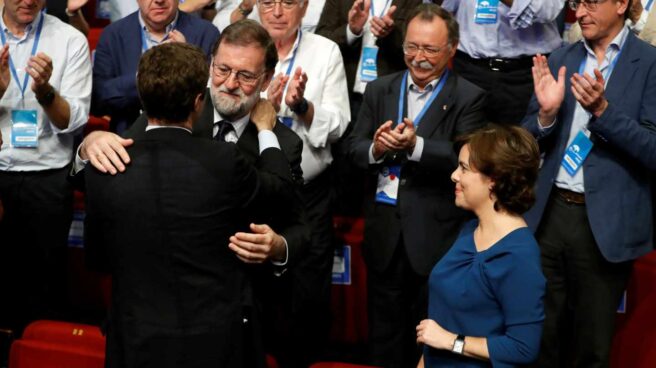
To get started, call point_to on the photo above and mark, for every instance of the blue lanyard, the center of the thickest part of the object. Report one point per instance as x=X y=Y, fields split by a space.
x=649 y=4
x=373 y=12
x=144 y=43
x=291 y=63
x=35 y=45
x=436 y=92
x=609 y=71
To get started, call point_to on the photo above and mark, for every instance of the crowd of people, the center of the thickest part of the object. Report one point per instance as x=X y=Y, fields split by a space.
x=503 y=165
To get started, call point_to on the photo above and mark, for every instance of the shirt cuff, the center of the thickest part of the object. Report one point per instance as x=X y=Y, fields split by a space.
x=283 y=262
x=419 y=149
x=79 y=164
x=350 y=36
x=372 y=160
x=544 y=129
x=267 y=139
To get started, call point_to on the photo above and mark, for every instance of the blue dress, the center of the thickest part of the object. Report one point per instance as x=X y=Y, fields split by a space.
x=496 y=293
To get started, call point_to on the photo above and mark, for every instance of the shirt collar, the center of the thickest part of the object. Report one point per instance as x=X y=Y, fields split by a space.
x=169 y=27
x=293 y=50
x=616 y=44
x=412 y=87
x=239 y=124
x=153 y=127
x=30 y=27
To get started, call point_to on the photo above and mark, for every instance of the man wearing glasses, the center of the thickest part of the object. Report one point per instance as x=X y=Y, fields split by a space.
x=121 y=45
x=404 y=137
x=242 y=66
x=499 y=37
x=594 y=114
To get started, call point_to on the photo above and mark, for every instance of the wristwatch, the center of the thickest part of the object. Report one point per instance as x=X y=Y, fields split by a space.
x=459 y=345
x=245 y=12
x=47 y=99
x=301 y=107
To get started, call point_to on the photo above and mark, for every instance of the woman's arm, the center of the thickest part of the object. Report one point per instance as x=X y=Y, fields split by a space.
x=432 y=334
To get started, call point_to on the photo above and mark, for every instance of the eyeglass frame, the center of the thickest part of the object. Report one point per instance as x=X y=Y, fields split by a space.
x=424 y=49
x=588 y=4
x=291 y=4
x=239 y=74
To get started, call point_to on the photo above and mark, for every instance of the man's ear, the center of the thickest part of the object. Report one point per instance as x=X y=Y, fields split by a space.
x=199 y=102
x=267 y=80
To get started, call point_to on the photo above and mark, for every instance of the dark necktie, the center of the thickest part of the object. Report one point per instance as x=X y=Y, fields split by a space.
x=224 y=128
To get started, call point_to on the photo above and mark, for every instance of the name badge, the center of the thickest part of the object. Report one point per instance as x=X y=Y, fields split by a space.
x=368 y=70
x=24 y=129
x=388 y=184
x=487 y=12
x=576 y=153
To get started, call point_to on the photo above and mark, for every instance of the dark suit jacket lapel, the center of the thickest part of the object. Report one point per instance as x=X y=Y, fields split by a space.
x=391 y=100
x=624 y=70
x=204 y=125
x=438 y=109
x=248 y=143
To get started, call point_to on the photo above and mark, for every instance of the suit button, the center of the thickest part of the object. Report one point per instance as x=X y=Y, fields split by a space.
x=402 y=182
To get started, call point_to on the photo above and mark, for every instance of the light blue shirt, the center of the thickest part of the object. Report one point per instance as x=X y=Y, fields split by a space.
x=526 y=28
x=71 y=78
x=581 y=116
x=150 y=41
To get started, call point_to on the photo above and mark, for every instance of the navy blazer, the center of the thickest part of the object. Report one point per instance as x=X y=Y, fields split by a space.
x=426 y=215
x=117 y=55
x=617 y=170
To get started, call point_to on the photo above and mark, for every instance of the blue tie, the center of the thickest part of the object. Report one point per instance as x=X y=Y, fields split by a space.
x=225 y=127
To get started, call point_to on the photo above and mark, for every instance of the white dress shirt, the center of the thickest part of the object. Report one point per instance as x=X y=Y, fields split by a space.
x=225 y=7
x=71 y=77
x=321 y=60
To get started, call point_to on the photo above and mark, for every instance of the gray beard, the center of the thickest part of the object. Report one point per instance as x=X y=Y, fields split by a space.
x=228 y=108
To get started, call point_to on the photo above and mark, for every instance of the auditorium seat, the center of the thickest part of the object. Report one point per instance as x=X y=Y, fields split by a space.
x=52 y=344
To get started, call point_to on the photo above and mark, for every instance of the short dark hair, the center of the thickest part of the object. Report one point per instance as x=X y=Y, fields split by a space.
x=628 y=8
x=169 y=78
x=509 y=155
x=247 y=32
x=427 y=12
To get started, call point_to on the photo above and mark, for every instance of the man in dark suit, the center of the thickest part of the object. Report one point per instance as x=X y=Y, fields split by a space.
x=121 y=45
x=177 y=290
x=230 y=100
x=596 y=124
x=411 y=218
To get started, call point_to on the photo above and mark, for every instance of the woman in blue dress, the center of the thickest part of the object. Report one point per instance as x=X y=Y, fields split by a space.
x=485 y=295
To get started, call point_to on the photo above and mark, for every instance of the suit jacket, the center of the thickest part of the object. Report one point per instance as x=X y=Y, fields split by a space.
x=616 y=172
x=425 y=213
x=177 y=288
x=116 y=59
x=289 y=221
x=332 y=25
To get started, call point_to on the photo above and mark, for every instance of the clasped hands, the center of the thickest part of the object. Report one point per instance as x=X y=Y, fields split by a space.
x=550 y=92
x=402 y=137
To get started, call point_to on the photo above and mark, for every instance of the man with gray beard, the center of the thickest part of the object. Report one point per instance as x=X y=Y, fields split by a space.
x=242 y=66
x=404 y=137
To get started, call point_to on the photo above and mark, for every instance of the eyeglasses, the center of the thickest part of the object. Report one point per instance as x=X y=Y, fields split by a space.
x=268 y=5
x=244 y=78
x=411 y=49
x=588 y=4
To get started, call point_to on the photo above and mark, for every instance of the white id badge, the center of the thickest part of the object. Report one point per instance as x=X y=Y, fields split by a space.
x=388 y=184
x=368 y=70
x=24 y=129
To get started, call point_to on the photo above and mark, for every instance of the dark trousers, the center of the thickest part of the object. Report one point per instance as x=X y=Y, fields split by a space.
x=583 y=289
x=38 y=209
x=508 y=92
x=398 y=301
x=304 y=319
